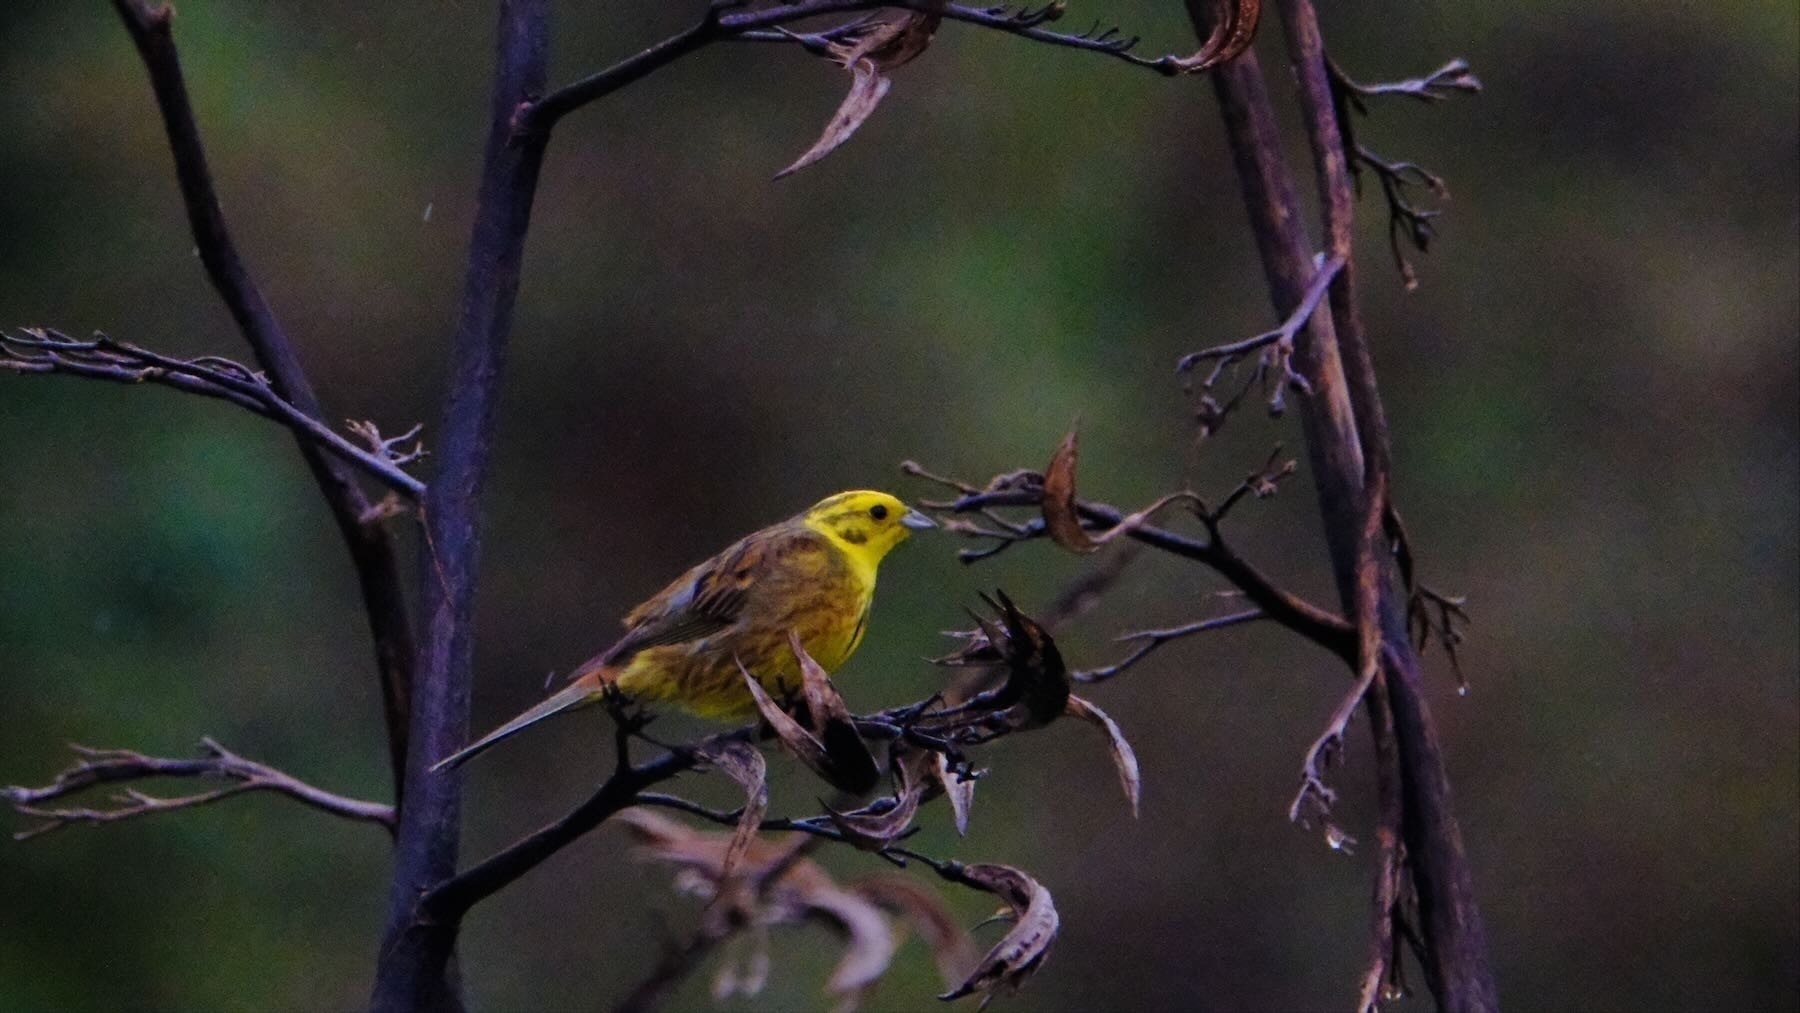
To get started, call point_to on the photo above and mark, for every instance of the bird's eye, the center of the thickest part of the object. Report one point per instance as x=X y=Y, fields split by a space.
x=878 y=511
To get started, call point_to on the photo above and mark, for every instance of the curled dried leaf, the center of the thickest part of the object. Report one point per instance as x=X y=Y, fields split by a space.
x=880 y=47
x=920 y=908
x=1233 y=29
x=1062 y=513
x=786 y=889
x=743 y=973
x=882 y=822
x=1122 y=755
x=869 y=940
x=744 y=764
x=1023 y=949
x=851 y=766
x=843 y=768
x=1061 y=520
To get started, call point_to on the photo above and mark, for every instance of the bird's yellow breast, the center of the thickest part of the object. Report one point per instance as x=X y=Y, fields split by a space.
x=809 y=587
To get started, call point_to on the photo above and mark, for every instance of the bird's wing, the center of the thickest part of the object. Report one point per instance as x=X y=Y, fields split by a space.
x=701 y=602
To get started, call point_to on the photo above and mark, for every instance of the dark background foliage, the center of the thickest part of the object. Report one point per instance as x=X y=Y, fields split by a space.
x=1593 y=398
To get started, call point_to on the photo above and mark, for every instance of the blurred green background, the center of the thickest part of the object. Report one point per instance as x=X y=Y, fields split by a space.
x=1593 y=398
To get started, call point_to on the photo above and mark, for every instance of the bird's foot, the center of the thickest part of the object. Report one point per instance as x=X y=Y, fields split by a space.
x=629 y=719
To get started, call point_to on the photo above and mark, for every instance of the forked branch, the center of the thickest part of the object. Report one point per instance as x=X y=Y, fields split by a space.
x=215 y=763
x=1275 y=362
x=1148 y=641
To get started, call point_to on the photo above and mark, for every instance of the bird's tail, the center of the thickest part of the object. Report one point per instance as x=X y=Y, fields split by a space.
x=569 y=697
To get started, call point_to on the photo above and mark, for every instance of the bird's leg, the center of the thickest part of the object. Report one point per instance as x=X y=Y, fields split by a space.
x=629 y=719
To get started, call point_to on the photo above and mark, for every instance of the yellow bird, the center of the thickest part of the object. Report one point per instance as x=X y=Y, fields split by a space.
x=813 y=574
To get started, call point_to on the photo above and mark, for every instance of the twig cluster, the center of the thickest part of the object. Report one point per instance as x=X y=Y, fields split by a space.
x=1275 y=364
x=1409 y=223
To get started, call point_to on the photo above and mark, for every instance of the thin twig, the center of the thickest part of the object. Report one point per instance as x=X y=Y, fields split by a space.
x=1436 y=617
x=1260 y=484
x=1408 y=223
x=814 y=826
x=1276 y=346
x=42 y=350
x=1446 y=82
x=413 y=968
x=113 y=766
x=1149 y=640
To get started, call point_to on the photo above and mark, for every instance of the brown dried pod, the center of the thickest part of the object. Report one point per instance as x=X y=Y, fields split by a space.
x=1023 y=949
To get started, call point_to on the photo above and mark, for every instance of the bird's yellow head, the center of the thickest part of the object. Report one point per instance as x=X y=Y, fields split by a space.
x=866 y=525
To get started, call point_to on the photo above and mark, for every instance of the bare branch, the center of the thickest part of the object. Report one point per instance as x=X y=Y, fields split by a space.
x=1347 y=437
x=1276 y=360
x=216 y=763
x=41 y=350
x=1315 y=796
x=412 y=969
x=721 y=23
x=1024 y=489
x=1149 y=640
x=1435 y=617
x=1446 y=82
x=359 y=521
x=1262 y=484
x=814 y=826
x=1408 y=223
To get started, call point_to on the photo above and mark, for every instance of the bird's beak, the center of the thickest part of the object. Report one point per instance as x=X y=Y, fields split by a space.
x=917 y=521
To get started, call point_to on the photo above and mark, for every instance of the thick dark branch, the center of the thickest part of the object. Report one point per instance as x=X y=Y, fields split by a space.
x=1452 y=921
x=359 y=521
x=37 y=350
x=412 y=970
x=215 y=763
x=1384 y=980
x=447 y=902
